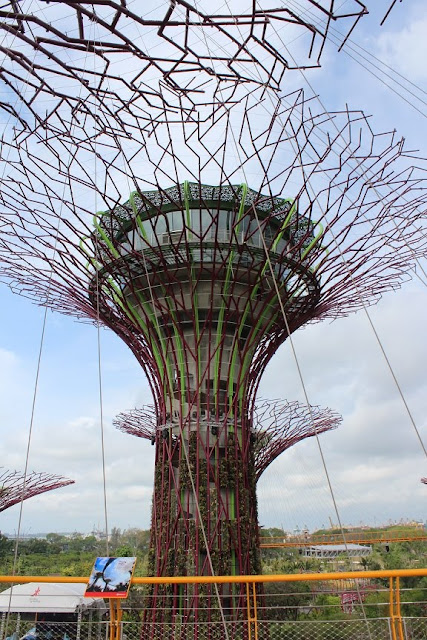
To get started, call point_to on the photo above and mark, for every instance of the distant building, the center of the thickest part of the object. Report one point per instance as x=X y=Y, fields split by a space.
x=335 y=550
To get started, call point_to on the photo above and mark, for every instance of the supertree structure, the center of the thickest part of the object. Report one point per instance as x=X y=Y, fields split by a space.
x=204 y=283
x=276 y=427
x=16 y=486
x=250 y=215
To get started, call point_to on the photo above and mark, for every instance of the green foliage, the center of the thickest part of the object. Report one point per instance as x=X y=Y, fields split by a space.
x=6 y=546
x=376 y=604
x=327 y=606
x=286 y=600
x=123 y=551
x=72 y=555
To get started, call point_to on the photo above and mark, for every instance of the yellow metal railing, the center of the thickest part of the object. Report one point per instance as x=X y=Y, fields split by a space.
x=116 y=615
x=252 y=617
x=238 y=579
x=250 y=581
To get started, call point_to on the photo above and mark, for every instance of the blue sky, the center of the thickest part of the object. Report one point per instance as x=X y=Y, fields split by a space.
x=374 y=459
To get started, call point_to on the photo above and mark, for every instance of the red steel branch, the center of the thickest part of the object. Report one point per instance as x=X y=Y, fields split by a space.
x=14 y=486
x=277 y=426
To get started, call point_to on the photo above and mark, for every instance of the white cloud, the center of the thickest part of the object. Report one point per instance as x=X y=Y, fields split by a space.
x=397 y=48
x=374 y=458
x=366 y=474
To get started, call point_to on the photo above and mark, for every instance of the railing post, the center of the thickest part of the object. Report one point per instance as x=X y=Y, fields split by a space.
x=248 y=607
x=115 y=619
x=251 y=604
x=255 y=609
x=395 y=611
x=391 y=609
x=398 y=611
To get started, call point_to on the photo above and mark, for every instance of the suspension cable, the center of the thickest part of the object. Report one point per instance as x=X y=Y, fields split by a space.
x=301 y=378
x=399 y=388
x=35 y=388
x=98 y=332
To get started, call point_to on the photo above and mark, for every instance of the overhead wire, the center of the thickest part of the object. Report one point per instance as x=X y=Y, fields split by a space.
x=350 y=44
x=387 y=360
x=98 y=336
x=369 y=54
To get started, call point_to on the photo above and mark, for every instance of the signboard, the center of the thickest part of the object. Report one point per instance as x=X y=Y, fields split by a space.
x=110 y=578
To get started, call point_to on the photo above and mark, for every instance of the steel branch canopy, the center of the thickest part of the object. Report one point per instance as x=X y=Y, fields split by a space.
x=276 y=427
x=170 y=41
x=15 y=486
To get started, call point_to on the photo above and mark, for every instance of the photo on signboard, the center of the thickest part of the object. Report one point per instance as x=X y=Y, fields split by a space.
x=110 y=578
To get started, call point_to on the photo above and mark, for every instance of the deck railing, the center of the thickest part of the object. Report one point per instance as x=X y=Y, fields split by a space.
x=354 y=605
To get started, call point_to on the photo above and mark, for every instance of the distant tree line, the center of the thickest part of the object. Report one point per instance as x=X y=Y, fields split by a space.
x=58 y=553
x=71 y=555
x=74 y=556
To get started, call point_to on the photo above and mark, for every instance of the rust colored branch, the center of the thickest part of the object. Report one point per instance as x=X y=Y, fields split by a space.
x=277 y=426
x=14 y=486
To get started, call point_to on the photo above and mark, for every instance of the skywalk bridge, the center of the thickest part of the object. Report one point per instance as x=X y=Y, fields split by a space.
x=350 y=537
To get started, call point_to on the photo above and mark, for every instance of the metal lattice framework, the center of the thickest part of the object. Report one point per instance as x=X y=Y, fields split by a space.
x=277 y=426
x=172 y=42
x=249 y=216
x=15 y=486
x=195 y=55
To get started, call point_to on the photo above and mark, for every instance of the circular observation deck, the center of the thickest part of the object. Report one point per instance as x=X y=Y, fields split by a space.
x=205 y=233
